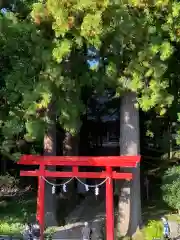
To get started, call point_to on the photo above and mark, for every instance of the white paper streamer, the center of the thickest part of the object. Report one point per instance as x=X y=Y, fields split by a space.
x=96 y=191
x=53 y=189
x=64 y=188
x=87 y=188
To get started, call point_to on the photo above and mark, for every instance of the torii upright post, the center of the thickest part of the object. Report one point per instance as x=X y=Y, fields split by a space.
x=40 y=200
x=109 y=205
x=75 y=162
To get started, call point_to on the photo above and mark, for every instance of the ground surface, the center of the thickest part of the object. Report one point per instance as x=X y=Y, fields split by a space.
x=13 y=214
x=92 y=211
x=175 y=230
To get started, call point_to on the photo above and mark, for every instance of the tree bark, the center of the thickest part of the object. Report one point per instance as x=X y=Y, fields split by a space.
x=129 y=205
x=70 y=145
x=70 y=148
x=50 y=150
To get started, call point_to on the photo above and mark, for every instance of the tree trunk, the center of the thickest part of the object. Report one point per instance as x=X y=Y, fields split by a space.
x=70 y=145
x=3 y=165
x=129 y=205
x=70 y=148
x=50 y=150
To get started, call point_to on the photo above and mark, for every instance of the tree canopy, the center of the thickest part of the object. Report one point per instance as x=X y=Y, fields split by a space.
x=170 y=187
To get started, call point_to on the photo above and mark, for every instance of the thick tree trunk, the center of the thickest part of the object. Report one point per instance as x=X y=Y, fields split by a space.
x=129 y=205
x=70 y=145
x=3 y=165
x=70 y=148
x=50 y=150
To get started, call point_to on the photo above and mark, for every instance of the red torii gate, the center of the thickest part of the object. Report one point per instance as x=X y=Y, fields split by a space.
x=75 y=162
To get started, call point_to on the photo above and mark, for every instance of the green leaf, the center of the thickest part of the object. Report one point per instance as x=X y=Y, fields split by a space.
x=166 y=50
x=62 y=50
x=35 y=129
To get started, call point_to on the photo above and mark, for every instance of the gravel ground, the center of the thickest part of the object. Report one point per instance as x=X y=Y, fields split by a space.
x=174 y=230
x=92 y=211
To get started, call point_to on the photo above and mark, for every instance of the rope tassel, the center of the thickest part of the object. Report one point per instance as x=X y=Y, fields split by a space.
x=85 y=185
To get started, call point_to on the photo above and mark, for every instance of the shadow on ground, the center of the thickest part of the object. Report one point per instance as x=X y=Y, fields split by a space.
x=154 y=210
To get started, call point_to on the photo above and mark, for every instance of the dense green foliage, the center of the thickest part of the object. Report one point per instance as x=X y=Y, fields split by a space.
x=48 y=47
x=57 y=54
x=153 y=230
x=171 y=187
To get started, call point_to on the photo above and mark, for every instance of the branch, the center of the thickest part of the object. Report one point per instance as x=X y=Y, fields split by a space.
x=11 y=192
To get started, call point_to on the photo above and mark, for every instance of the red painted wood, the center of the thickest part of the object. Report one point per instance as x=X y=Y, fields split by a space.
x=103 y=174
x=41 y=200
x=108 y=162
x=127 y=176
x=38 y=201
x=109 y=206
x=34 y=173
x=75 y=171
x=113 y=161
